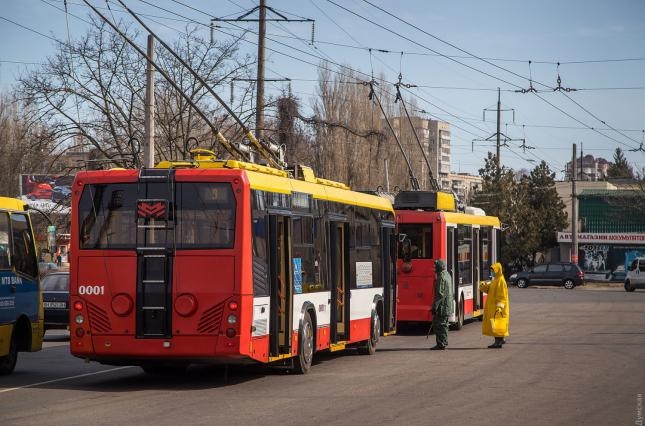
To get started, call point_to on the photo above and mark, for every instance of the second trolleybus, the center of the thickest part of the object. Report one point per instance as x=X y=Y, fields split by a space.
x=221 y=261
x=431 y=228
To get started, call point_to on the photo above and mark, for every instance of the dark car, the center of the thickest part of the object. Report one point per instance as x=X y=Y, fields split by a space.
x=55 y=287
x=45 y=268
x=568 y=275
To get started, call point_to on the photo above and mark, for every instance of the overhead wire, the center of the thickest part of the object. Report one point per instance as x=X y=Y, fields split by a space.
x=345 y=67
x=278 y=52
x=464 y=51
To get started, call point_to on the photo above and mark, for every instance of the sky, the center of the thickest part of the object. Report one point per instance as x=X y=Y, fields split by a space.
x=455 y=55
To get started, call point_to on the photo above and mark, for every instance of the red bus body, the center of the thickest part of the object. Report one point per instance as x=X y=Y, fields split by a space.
x=166 y=301
x=468 y=243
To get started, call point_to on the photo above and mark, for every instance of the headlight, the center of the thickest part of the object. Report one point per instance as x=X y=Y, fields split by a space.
x=513 y=276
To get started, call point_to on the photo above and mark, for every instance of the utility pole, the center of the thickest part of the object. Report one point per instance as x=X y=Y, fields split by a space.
x=582 y=169
x=262 y=20
x=574 y=209
x=499 y=122
x=259 y=102
x=498 y=135
x=149 y=144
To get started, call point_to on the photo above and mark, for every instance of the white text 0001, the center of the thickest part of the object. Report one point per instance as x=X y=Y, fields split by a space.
x=91 y=290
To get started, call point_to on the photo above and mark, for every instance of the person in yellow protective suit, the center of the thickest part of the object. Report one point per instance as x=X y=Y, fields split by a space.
x=496 y=304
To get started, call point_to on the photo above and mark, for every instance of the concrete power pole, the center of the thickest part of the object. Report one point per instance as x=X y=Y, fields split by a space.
x=499 y=122
x=498 y=135
x=262 y=20
x=149 y=144
x=259 y=103
x=574 y=209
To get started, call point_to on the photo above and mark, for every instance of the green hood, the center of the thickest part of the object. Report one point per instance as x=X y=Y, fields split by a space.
x=439 y=265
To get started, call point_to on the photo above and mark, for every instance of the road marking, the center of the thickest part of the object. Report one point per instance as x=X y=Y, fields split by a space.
x=65 y=378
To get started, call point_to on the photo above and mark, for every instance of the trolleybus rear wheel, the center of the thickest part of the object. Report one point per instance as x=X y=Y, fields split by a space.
x=305 y=346
x=369 y=348
x=460 y=316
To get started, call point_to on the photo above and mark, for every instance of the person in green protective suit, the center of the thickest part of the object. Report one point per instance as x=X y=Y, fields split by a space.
x=442 y=307
x=496 y=305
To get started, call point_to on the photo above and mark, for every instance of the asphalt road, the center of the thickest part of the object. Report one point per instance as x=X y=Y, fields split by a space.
x=574 y=357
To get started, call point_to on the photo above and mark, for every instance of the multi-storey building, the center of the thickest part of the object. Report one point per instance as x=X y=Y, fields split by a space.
x=439 y=154
x=588 y=168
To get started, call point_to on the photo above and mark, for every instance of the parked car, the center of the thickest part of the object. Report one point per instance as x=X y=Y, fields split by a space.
x=635 y=275
x=568 y=275
x=619 y=274
x=45 y=268
x=55 y=288
x=42 y=191
x=61 y=193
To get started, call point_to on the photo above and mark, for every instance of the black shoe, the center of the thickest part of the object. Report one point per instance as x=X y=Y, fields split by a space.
x=503 y=341
x=495 y=346
x=438 y=348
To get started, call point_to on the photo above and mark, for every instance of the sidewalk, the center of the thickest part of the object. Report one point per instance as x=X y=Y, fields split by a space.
x=604 y=284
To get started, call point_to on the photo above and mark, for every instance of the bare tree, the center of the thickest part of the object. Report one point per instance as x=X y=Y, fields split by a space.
x=24 y=145
x=93 y=90
x=349 y=140
x=353 y=142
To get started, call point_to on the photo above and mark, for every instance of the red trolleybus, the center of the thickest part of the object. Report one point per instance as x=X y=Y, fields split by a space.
x=469 y=243
x=21 y=304
x=210 y=261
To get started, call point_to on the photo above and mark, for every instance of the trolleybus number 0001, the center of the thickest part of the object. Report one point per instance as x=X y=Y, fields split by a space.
x=91 y=290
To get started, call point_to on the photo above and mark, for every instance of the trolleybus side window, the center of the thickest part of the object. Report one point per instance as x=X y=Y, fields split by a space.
x=485 y=250
x=4 y=241
x=304 y=259
x=23 y=246
x=464 y=254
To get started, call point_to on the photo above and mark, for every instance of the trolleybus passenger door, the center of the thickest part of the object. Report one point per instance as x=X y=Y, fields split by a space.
x=280 y=279
x=477 y=268
x=339 y=292
x=389 y=279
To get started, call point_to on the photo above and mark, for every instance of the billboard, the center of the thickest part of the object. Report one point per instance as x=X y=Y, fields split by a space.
x=49 y=193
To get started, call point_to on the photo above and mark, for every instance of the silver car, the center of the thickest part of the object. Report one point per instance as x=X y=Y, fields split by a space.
x=635 y=275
